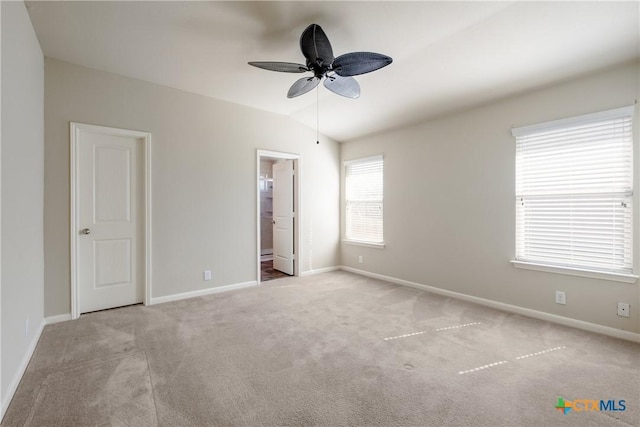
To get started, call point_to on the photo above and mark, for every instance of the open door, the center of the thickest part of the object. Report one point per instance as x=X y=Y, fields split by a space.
x=283 y=216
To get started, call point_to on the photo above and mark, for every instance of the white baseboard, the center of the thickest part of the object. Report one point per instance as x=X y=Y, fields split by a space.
x=566 y=321
x=57 y=319
x=202 y=292
x=15 y=381
x=320 y=270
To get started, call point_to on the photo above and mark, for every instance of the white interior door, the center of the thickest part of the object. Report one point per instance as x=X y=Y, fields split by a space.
x=109 y=254
x=283 y=216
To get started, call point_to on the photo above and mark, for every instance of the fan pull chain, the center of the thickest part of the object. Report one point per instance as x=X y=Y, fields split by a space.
x=318 y=114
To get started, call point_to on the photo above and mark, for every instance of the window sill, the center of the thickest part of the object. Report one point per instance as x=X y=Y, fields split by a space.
x=360 y=243
x=593 y=274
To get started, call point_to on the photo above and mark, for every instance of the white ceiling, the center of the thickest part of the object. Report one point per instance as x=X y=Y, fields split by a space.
x=447 y=55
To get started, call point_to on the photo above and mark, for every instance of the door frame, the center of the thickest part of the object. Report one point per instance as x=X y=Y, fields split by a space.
x=297 y=229
x=75 y=130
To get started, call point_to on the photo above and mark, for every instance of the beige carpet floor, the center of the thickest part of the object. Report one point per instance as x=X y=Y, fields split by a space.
x=333 y=349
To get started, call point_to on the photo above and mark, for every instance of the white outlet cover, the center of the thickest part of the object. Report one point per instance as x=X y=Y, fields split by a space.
x=561 y=297
x=207 y=275
x=623 y=309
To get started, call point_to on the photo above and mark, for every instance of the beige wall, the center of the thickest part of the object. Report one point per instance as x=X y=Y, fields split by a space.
x=449 y=207
x=204 y=179
x=22 y=189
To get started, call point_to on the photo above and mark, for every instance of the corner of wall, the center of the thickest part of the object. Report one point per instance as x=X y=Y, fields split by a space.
x=22 y=196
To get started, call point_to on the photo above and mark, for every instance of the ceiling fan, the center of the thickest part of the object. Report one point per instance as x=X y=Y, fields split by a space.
x=337 y=72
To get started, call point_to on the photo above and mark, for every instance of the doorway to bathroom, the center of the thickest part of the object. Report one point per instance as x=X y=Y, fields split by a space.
x=278 y=215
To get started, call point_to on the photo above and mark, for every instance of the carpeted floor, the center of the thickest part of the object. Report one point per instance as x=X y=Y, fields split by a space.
x=332 y=349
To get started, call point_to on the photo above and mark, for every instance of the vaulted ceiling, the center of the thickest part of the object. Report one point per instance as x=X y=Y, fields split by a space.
x=447 y=55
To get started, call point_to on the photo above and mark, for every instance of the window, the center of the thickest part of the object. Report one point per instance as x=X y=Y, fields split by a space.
x=574 y=193
x=363 y=200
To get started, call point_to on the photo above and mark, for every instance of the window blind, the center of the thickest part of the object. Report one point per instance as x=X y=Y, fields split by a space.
x=574 y=192
x=363 y=199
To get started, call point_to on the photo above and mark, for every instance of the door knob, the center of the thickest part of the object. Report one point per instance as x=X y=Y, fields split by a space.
x=273 y=222
x=85 y=231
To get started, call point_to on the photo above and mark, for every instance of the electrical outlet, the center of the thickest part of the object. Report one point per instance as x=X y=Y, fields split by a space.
x=561 y=297
x=360 y=259
x=207 y=275
x=623 y=309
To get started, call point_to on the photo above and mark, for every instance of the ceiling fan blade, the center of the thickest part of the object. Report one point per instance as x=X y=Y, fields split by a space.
x=345 y=86
x=283 y=67
x=315 y=45
x=355 y=63
x=302 y=86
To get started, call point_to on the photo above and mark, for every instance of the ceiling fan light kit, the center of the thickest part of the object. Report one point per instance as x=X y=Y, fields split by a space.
x=337 y=72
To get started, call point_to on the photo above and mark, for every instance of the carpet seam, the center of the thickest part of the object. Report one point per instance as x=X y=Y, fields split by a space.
x=153 y=391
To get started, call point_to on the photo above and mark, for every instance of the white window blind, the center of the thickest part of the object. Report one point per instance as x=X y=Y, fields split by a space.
x=363 y=199
x=574 y=192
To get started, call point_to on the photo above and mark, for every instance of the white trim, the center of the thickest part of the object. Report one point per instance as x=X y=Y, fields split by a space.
x=566 y=321
x=2 y=408
x=593 y=274
x=361 y=243
x=74 y=130
x=203 y=292
x=57 y=319
x=297 y=207
x=73 y=223
x=571 y=121
x=320 y=270
x=148 y=221
x=15 y=381
x=278 y=154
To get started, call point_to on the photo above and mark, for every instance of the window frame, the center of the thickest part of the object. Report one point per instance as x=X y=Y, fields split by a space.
x=576 y=270
x=355 y=241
